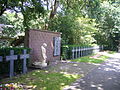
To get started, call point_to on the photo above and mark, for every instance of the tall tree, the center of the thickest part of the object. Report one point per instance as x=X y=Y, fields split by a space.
x=30 y=9
x=109 y=25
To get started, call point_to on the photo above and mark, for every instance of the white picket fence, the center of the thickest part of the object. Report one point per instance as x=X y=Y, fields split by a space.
x=84 y=51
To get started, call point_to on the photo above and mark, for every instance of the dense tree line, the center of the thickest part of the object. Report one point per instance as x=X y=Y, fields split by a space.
x=83 y=22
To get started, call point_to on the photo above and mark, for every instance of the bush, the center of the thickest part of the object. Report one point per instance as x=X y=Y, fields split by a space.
x=4 y=65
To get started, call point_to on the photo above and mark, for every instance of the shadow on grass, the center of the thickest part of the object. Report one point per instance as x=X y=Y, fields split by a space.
x=41 y=80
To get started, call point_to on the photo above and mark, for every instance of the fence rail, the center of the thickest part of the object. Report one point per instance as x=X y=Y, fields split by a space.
x=76 y=52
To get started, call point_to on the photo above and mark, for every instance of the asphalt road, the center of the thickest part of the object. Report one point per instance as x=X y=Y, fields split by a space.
x=104 y=77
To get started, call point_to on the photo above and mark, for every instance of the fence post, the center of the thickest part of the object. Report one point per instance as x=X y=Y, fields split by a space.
x=85 y=50
x=76 y=52
x=73 y=53
x=89 y=50
x=101 y=47
x=1 y=58
x=81 y=51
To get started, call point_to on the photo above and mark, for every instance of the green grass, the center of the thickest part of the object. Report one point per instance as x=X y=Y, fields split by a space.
x=90 y=59
x=111 y=52
x=42 y=80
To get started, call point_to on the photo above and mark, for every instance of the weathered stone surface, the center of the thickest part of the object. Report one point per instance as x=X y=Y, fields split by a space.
x=36 y=38
x=11 y=58
x=39 y=65
x=24 y=56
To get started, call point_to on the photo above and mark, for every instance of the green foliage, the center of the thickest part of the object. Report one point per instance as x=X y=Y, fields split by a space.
x=82 y=22
x=74 y=30
x=66 y=52
x=16 y=20
x=31 y=10
x=109 y=21
x=10 y=19
x=4 y=66
x=72 y=7
x=3 y=20
x=83 y=35
x=91 y=8
x=106 y=14
x=64 y=24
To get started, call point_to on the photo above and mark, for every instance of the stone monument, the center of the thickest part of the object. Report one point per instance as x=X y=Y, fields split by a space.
x=43 y=59
x=45 y=46
x=44 y=56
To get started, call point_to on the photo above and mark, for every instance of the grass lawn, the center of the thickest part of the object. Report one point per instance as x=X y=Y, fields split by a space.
x=111 y=52
x=40 y=80
x=92 y=59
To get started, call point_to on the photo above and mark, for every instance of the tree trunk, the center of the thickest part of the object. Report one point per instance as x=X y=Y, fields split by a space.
x=54 y=9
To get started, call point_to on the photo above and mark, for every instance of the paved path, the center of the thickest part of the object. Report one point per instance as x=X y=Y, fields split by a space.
x=72 y=67
x=104 y=77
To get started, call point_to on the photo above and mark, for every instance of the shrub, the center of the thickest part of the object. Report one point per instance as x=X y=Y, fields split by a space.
x=4 y=65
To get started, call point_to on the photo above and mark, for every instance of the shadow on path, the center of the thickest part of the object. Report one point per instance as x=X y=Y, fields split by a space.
x=105 y=77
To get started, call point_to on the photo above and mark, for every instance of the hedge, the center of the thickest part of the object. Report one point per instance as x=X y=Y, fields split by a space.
x=4 y=65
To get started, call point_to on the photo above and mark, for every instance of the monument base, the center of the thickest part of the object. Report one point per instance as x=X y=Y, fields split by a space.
x=39 y=65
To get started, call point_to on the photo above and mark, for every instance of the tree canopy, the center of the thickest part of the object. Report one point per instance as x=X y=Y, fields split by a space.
x=83 y=22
